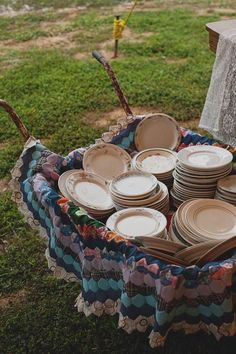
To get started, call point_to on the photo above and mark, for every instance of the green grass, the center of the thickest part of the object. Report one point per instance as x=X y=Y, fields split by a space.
x=53 y=92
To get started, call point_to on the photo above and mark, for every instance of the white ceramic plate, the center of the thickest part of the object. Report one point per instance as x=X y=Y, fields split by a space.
x=136 y=222
x=106 y=160
x=193 y=184
x=62 y=182
x=204 y=173
x=156 y=161
x=138 y=202
x=157 y=131
x=204 y=157
x=89 y=190
x=134 y=184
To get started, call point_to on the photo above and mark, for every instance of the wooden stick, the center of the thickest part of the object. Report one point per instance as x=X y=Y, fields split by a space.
x=116 y=43
x=114 y=81
x=16 y=119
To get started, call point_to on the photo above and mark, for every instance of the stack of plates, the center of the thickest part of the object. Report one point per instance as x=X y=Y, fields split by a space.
x=198 y=170
x=208 y=251
x=160 y=162
x=138 y=222
x=202 y=220
x=88 y=191
x=226 y=189
x=136 y=189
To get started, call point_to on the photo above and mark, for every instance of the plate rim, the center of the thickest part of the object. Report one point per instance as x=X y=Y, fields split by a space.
x=162 y=115
x=92 y=149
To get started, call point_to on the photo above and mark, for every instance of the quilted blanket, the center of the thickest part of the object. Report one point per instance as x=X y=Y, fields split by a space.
x=115 y=276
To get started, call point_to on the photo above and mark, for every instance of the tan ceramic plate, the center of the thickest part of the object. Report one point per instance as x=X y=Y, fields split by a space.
x=193 y=253
x=204 y=157
x=139 y=202
x=89 y=190
x=169 y=259
x=106 y=160
x=134 y=184
x=217 y=173
x=161 y=244
x=217 y=251
x=62 y=182
x=134 y=222
x=157 y=131
x=194 y=182
x=156 y=161
x=228 y=184
x=212 y=219
x=197 y=180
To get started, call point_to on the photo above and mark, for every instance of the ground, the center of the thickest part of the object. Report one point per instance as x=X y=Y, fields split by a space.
x=65 y=98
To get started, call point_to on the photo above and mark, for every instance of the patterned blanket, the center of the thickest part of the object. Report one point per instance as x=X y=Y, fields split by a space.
x=115 y=276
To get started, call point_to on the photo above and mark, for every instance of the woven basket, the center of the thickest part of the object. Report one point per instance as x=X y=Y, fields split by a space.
x=115 y=276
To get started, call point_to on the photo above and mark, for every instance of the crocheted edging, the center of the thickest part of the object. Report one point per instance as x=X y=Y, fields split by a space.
x=17 y=195
x=114 y=130
x=97 y=308
x=111 y=307
x=226 y=329
x=141 y=323
x=58 y=271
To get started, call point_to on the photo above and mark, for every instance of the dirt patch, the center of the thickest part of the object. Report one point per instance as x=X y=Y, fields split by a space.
x=3 y=145
x=182 y=61
x=152 y=6
x=13 y=299
x=4 y=185
x=69 y=14
x=202 y=11
x=205 y=11
x=10 y=12
x=83 y=56
x=105 y=119
x=65 y=39
x=228 y=11
x=129 y=36
x=106 y=47
x=147 y=6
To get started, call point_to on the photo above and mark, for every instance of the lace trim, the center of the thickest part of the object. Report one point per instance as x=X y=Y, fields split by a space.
x=58 y=271
x=109 y=307
x=141 y=323
x=115 y=130
x=219 y=112
x=226 y=329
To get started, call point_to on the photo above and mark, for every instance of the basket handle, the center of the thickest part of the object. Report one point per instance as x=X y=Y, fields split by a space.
x=16 y=119
x=102 y=60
